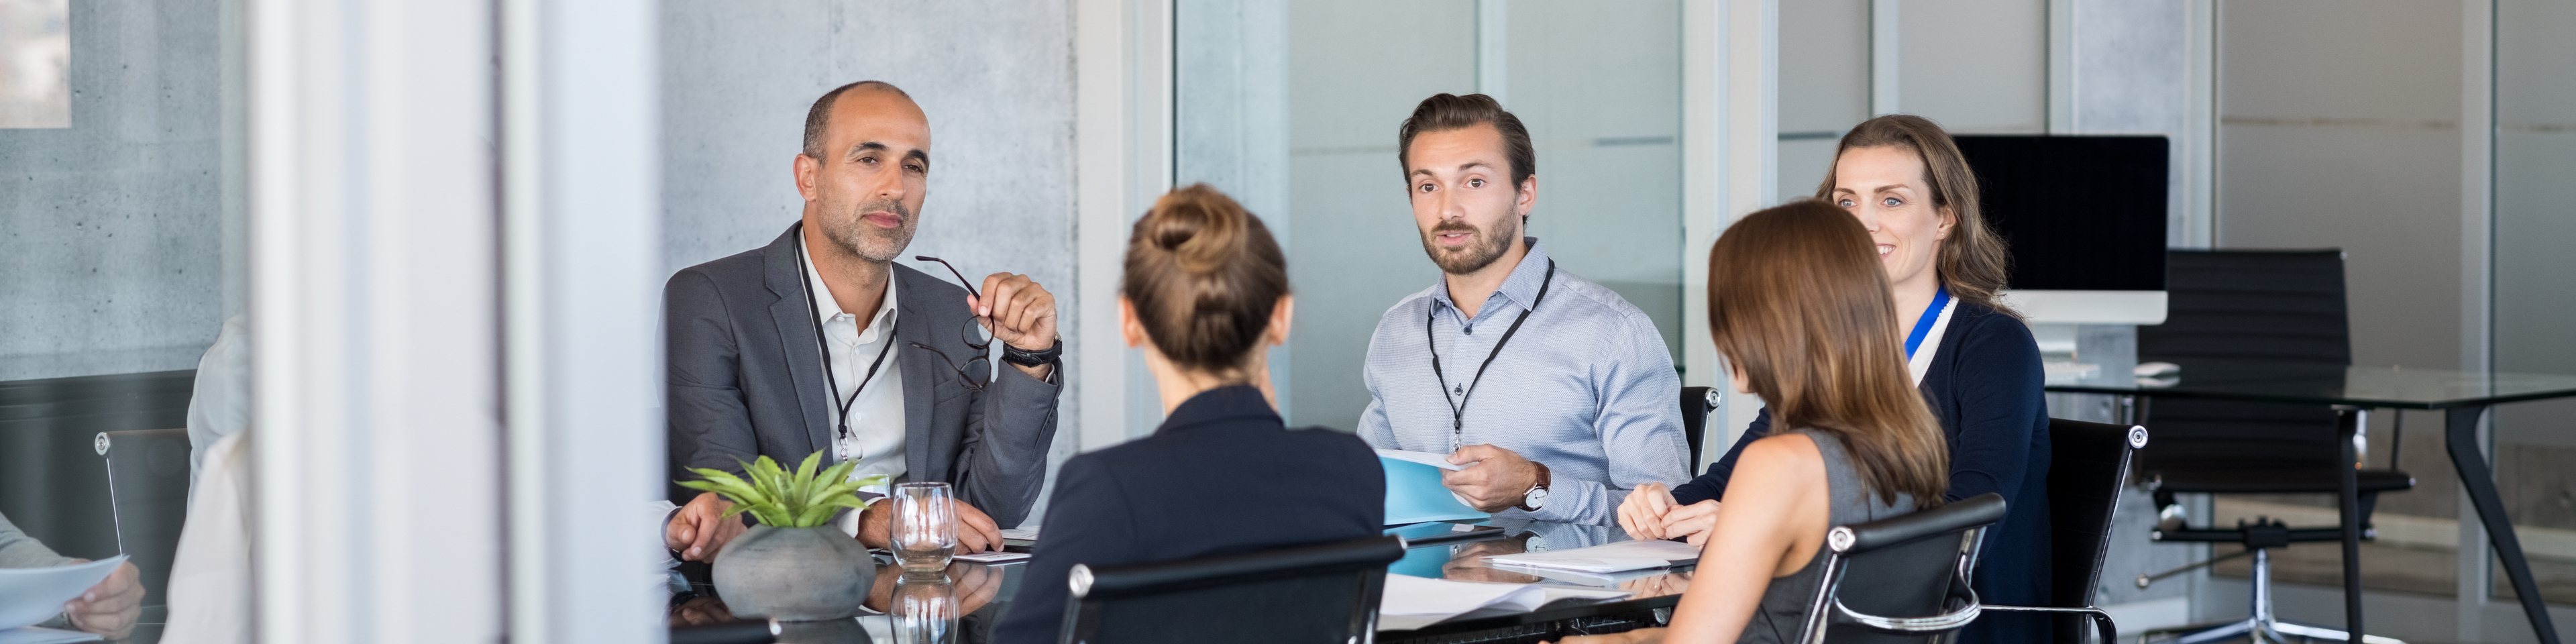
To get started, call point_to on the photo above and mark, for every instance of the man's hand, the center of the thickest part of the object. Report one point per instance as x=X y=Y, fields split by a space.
x=109 y=608
x=975 y=531
x=1693 y=521
x=701 y=528
x=1017 y=311
x=1497 y=480
x=1642 y=514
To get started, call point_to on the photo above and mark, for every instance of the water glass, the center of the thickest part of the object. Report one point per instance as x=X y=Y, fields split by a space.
x=924 y=530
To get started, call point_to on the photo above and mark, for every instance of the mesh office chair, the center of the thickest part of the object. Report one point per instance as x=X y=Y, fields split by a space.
x=2088 y=464
x=1914 y=565
x=2285 y=308
x=1304 y=594
x=1696 y=403
x=147 y=487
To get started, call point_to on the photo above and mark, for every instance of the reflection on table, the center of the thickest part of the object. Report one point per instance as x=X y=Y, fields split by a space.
x=962 y=605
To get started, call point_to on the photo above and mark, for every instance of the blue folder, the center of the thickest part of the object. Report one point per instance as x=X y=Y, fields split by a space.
x=1414 y=495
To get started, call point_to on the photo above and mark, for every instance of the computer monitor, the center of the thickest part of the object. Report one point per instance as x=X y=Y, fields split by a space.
x=2084 y=217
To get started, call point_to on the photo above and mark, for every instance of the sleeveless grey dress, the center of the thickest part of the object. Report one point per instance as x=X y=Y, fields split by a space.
x=1784 y=603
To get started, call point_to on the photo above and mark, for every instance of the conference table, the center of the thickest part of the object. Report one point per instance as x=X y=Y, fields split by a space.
x=965 y=604
x=2463 y=397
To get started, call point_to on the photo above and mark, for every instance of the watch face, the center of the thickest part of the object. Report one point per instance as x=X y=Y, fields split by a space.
x=1537 y=497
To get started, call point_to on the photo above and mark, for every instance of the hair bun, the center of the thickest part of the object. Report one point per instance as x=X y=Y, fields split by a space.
x=1203 y=275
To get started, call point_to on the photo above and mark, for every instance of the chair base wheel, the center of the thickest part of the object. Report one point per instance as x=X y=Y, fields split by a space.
x=2257 y=631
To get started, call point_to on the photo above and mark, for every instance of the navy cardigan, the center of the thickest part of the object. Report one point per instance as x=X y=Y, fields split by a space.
x=1984 y=385
x=1223 y=475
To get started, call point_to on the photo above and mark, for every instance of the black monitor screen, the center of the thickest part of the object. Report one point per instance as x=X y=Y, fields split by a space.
x=2080 y=212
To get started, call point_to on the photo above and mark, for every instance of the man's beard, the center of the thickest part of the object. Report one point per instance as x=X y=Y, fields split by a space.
x=1483 y=245
x=855 y=235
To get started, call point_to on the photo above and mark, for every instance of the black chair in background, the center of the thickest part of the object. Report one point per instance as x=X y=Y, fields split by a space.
x=2285 y=309
x=2088 y=464
x=1903 y=579
x=1696 y=403
x=147 y=487
x=1314 y=593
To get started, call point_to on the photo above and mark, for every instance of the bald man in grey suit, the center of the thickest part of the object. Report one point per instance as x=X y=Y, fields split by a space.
x=819 y=342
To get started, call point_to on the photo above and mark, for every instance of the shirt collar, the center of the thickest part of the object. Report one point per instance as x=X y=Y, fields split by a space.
x=1222 y=403
x=1519 y=289
x=831 y=308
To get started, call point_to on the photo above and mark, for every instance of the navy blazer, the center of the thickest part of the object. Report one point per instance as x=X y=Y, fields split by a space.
x=1223 y=475
x=1984 y=385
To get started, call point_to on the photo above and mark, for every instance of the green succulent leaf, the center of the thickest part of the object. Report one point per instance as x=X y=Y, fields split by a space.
x=775 y=496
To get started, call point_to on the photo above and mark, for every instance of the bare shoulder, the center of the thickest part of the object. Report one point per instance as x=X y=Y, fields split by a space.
x=1787 y=453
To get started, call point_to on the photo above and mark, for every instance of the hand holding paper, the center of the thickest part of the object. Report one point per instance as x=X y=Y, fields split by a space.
x=102 y=596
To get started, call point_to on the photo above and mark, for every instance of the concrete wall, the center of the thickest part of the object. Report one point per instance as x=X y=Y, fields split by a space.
x=995 y=77
x=113 y=257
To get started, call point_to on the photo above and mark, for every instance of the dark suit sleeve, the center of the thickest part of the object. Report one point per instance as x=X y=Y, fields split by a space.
x=1009 y=428
x=1088 y=520
x=1997 y=395
x=709 y=425
x=1712 y=485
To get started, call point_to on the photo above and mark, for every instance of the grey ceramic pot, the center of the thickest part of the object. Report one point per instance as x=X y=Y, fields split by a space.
x=794 y=574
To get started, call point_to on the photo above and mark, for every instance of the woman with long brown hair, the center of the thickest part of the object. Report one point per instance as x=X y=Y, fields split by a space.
x=1907 y=184
x=1800 y=310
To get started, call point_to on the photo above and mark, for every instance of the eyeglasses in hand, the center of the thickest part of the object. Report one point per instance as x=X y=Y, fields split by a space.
x=976 y=372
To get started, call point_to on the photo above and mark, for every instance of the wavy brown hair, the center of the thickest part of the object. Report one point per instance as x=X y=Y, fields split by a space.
x=1972 y=263
x=1204 y=275
x=1798 y=301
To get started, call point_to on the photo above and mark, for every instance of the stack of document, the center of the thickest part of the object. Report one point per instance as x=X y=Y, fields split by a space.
x=29 y=596
x=1415 y=602
x=1607 y=558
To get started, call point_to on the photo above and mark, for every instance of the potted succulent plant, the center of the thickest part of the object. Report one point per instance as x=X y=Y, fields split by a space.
x=794 y=565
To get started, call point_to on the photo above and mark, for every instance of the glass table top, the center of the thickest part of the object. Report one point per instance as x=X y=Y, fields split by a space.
x=971 y=597
x=2327 y=384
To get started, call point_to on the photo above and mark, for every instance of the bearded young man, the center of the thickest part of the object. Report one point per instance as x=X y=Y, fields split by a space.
x=820 y=342
x=1555 y=388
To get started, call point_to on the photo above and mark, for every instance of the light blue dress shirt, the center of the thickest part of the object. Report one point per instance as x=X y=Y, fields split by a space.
x=1585 y=387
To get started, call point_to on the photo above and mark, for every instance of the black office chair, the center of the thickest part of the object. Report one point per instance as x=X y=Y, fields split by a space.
x=1315 y=593
x=2088 y=465
x=1696 y=403
x=2285 y=308
x=147 y=487
x=1916 y=566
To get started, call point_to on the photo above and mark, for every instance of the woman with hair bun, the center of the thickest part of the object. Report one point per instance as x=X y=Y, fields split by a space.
x=1205 y=295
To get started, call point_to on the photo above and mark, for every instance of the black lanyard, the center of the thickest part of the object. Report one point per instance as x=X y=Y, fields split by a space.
x=829 y=379
x=1458 y=410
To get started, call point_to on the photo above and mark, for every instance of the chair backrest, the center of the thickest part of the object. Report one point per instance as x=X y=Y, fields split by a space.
x=2286 y=308
x=1313 y=593
x=147 y=485
x=1902 y=579
x=1696 y=403
x=2088 y=466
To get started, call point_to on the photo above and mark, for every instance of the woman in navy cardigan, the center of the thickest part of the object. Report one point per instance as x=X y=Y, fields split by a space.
x=1205 y=294
x=1973 y=359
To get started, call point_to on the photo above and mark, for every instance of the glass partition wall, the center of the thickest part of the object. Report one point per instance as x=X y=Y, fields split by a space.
x=1292 y=108
x=2535 y=153
x=121 y=181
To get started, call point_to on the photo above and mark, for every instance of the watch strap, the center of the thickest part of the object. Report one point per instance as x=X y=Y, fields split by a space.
x=1026 y=358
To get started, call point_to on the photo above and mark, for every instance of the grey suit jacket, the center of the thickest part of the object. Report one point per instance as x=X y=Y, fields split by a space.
x=746 y=380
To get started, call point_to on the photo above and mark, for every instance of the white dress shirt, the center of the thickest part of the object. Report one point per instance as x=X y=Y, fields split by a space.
x=876 y=416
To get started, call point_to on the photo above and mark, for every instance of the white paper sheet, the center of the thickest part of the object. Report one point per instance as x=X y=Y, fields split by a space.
x=1414 y=602
x=30 y=596
x=34 y=635
x=1426 y=458
x=1611 y=557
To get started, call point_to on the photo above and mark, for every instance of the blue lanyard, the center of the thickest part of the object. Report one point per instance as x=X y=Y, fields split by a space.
x=1923 y=325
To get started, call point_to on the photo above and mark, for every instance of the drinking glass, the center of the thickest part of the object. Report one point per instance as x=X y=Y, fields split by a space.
x=924 y=528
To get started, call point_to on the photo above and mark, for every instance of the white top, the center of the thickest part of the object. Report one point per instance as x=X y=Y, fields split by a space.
x=1921 y=362
x=876 y=417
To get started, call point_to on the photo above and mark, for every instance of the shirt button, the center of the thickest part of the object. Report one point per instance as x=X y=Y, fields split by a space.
x=1469 y=330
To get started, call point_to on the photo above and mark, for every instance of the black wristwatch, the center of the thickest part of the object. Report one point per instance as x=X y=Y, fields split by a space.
x=1015 y=355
